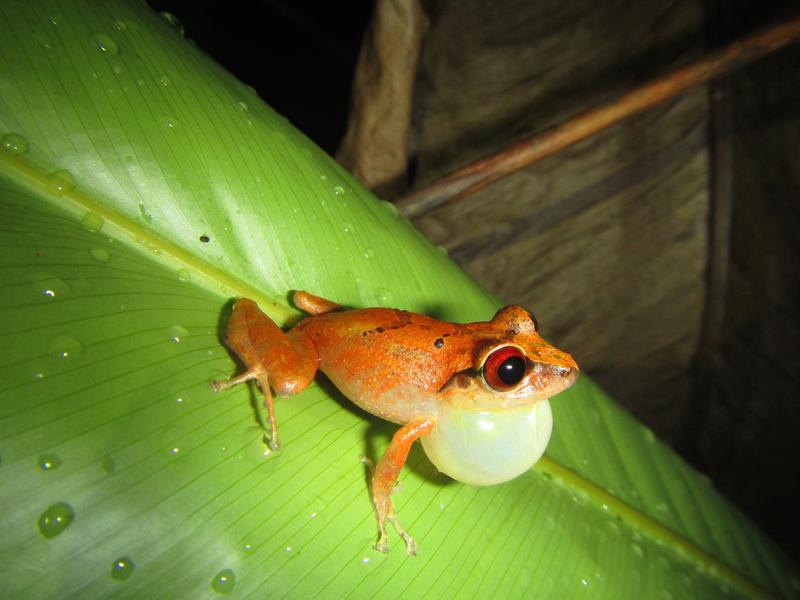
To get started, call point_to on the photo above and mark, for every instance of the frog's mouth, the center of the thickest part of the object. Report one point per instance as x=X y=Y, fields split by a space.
x=486 y=447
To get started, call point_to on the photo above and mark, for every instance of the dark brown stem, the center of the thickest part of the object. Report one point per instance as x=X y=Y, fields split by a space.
x=475 y=176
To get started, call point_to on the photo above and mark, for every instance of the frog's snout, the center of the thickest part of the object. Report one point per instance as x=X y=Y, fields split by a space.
x=568 y=375
x=556 y=376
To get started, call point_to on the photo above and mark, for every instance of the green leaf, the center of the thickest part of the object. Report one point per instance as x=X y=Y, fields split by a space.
x=141 y=188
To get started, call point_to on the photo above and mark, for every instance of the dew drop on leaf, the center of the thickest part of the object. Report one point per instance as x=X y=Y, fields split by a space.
x=64 y=347
x=92 y=221
x=49 y=462
x=368 y=253
x=60 y=182
x=104 y=43
x=174 y=22
x=338 y=190
x=51 y=287
x=144 y=214
x=389 y=207
x=383 y=297
x=176 y=333
x=99 y=254
x=14 y=143
x=224 y=581
x=122 y=568
x=109 y=465
x=55 y=519
x=184 y=275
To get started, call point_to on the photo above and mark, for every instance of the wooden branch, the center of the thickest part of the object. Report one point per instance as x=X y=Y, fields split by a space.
x=475 y=176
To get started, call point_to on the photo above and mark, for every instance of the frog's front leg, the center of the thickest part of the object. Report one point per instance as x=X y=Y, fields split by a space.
x=286 y=362
x=385 y=475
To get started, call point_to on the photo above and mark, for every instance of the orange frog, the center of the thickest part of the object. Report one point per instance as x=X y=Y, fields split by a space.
x=476 y=393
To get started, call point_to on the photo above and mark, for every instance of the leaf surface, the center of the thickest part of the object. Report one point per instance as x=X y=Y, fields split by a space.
x=141 y=188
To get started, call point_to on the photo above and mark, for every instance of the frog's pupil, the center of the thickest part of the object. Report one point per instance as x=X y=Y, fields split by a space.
x=511 y=370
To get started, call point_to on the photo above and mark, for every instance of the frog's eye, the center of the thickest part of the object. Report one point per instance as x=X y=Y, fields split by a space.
x=504 y=368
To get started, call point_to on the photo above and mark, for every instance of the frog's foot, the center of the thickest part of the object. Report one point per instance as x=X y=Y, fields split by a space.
x=383 y=539
x=271 y=433
x=223 y=384
x=411 y=545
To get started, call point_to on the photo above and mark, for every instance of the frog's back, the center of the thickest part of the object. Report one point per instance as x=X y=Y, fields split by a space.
x=386 y=360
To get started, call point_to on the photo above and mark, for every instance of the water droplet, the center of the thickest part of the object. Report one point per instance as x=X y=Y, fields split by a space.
x=338 y=190
x=254 y=447
x=118 y=70
x=120 y=25
x=176 y=333
x=637 y=550
x=49 y=462
x=144 y=214
x=224 y=581
x=242 y=106
x=184 y=275
x=92 y=221
x=442 y=249
x=100 y=254
x=368 y=253
x=105 y=43
x=365 y=560
x=15 y=143
x=43 y=40
x=383 y=297
x=109 y=465
x=60 y=182
x=65 y=347
x=164 y=81
x=248 y=548
x=389 y=207
x=51 y=287
x=55 y=19
x=347 y=228
x=288 y=549
x=55 y=519
x=174 y=22
x=122 y=568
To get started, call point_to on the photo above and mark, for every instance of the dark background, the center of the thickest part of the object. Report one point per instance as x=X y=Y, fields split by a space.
x=299 y=56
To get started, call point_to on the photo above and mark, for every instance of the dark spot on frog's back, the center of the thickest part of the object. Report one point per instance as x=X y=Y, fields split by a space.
x=439 y=342
x=379 y=330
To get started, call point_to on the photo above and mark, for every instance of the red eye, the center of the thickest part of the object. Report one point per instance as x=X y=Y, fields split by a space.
x=504 y=368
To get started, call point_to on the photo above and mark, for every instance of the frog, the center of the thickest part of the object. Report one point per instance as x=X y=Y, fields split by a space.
x=475 y=394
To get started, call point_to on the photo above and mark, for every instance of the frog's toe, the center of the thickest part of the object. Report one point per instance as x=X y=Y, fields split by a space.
x=382 y=545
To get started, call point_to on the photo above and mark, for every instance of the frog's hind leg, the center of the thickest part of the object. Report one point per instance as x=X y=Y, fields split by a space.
x=384 y=477
x=284 y=362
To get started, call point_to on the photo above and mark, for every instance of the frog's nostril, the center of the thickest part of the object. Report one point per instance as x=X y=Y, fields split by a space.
x=568 y=374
